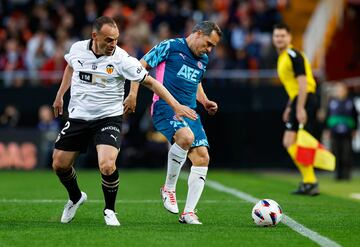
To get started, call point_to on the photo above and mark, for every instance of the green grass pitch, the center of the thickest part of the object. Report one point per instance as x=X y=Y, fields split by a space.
x=31 y=204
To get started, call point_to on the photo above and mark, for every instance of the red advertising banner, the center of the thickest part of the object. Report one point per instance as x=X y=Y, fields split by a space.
x=21 y=149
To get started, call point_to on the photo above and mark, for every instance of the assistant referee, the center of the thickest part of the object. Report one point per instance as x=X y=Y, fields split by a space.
x=295 y=74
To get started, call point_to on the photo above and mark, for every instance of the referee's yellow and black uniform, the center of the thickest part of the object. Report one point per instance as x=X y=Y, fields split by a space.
x=291 y=64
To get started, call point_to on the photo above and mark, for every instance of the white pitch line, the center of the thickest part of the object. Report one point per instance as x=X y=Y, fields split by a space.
x=306 y=232
x=355 y=196
x=47 y=201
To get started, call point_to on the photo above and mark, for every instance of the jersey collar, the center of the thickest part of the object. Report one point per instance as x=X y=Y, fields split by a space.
x=287 y=48
x=96 y=55
x=187 y=45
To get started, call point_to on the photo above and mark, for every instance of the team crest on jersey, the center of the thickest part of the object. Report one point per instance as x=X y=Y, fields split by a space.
x=94 y=66
x=199 y=64
x=109 y=68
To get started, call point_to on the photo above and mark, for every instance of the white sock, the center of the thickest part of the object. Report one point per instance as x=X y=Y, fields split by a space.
x=176 y=159
x=196 y=183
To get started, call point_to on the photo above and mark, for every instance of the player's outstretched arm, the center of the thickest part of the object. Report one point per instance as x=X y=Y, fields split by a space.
x=162 y=92
x=210 y=106
x=65 y=84
x=130 y=100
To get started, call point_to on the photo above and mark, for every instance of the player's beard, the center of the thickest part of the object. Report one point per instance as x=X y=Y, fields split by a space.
x=201 y=53
x=105 y=50
x=109 y=51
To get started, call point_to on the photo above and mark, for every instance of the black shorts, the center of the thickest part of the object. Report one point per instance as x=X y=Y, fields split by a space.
x=310 y=107
x=77 y=134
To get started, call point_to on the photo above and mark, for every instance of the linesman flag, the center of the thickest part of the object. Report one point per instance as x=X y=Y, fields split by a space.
x=310 y=152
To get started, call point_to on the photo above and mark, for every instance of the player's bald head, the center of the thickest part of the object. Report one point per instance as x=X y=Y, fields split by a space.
x=105 y=35
x=101 y=21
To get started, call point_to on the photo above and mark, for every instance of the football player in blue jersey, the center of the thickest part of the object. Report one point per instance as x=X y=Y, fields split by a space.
x=180 y=65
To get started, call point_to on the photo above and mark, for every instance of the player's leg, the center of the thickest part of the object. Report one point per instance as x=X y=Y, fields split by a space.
x=183 y=138
x=199 y=158
x=63 y=167
x=110 y=176
x=65 y=152
x=177 y=156
x=109 y=181
x=108 y=142
x=178 y=133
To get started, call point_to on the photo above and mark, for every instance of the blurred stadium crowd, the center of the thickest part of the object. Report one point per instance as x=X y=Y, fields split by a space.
x=35 y=34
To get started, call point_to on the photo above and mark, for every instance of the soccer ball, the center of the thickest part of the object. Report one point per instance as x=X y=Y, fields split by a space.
x=267 y=212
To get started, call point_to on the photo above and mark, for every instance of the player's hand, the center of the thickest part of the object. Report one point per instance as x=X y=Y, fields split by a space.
x=301 y=115
x=211 y=107
x=58 y=106
x=184 y=111
x=286 y=114
x=129 y=104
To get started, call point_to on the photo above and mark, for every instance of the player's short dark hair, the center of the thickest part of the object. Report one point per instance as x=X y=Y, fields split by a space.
x=207 y=27
x=282 y=26
x=101 y=21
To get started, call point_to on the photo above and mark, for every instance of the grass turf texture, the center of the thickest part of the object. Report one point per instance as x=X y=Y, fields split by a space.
x=227 y=219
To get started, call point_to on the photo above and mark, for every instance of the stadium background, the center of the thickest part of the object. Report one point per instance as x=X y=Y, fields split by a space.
x=247 y=131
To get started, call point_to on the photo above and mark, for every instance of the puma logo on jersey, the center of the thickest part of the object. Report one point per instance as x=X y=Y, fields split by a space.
x=81 y=63
x=182 y=55
x=188 y=73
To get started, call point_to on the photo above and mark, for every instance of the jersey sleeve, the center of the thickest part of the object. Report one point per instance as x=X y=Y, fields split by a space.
x=69 y=57
x=297 y=61
x=133 y=70
x=157 y=54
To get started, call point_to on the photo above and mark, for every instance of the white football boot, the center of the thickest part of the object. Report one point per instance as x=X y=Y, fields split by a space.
x=169 y=200
x=110 y=218
x=189 y=218
x=70 y=208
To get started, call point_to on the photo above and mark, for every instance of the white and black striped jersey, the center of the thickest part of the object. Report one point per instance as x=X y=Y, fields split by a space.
x=97 y=84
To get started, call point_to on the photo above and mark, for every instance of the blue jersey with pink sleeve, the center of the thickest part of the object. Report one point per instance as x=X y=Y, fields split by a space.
x=178 y=69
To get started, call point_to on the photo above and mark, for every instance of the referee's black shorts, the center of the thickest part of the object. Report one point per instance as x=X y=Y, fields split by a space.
x=77 y=134
x=310 y=107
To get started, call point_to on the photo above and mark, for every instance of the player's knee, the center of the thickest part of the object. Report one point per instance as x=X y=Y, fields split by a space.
x=59 y=164
x=202 y=160
x=107 y=166
x=185 y=138
x=188 y=139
